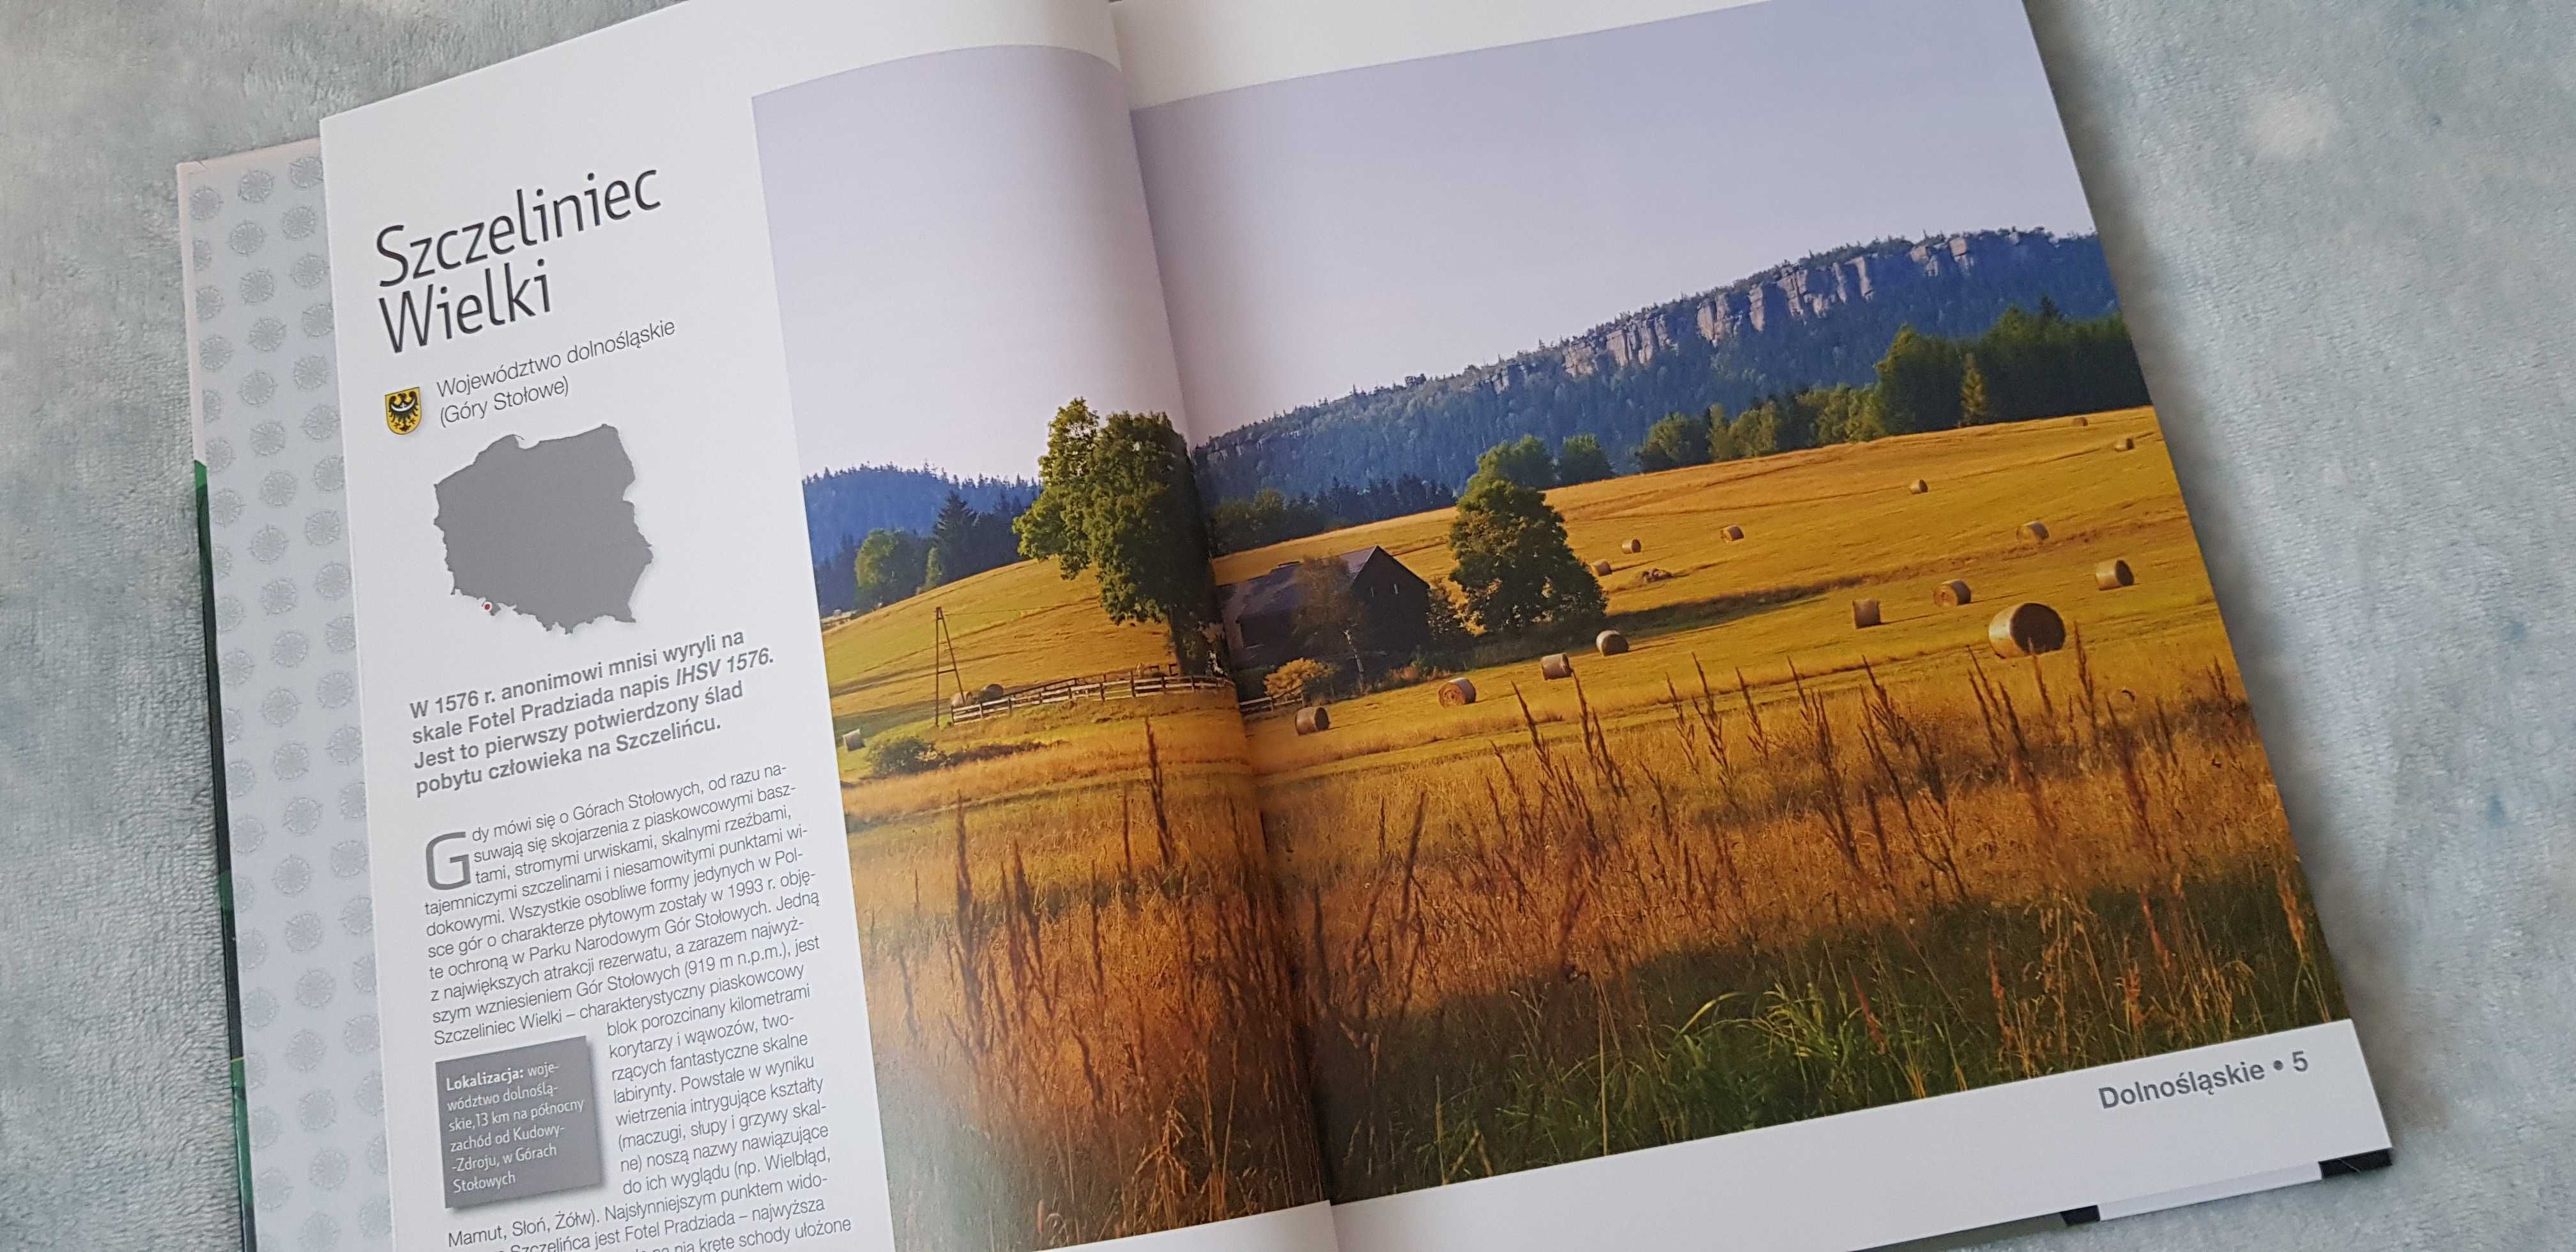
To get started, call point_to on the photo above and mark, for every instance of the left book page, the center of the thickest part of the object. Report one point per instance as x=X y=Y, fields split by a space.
x=943 y=925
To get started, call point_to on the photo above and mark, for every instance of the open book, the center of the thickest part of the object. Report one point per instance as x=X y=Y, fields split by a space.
x=1007 y=623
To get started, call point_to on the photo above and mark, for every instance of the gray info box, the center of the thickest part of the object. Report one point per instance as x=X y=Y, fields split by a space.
x=517 y=1123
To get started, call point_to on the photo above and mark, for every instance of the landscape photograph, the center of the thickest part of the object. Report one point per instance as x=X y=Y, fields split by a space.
x=1080 y=1006
x=1693 y=690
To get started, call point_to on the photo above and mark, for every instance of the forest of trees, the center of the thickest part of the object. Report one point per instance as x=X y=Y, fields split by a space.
x=890 y=564
x=843 y=507
x=1434 y=428
x=2027 y=365
x=1270 y=517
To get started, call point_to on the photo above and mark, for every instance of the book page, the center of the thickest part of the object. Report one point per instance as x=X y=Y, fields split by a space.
x=804 y=805
x=1752 y=753
x=290 y=807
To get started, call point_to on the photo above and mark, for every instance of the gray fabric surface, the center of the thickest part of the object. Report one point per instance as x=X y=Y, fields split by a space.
x=2342 y=228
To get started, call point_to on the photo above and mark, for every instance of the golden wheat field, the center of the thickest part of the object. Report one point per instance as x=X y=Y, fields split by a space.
x=1075 y=971
x=1822 y=528
x=1019 y=624
x=1769 y=865
x=1764 y=866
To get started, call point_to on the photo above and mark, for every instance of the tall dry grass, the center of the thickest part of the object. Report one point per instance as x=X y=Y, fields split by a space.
x=1595 y=938
x=1080 y=1004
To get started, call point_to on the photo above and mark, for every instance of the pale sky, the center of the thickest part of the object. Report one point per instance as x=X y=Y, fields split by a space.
x=961 y=247
x=1349 y=229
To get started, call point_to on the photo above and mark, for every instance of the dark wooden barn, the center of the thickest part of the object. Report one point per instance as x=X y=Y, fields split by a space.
x=1261 y=614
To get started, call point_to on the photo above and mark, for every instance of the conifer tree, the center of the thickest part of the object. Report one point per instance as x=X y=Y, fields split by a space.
x=1973 y=408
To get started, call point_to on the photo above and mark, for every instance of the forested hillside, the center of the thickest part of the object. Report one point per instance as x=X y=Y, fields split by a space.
x=842 y=506
x=1818 y=322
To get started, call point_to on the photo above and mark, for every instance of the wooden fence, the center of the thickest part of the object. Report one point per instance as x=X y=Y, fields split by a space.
x=1095 y=688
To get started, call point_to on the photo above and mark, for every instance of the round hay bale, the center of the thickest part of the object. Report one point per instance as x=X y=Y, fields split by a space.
x=1864 y=614
x=1918 y=486
x=2113 y=575
x=2123 y=444
x=1601 y=569
x=990 y=693
x=1610 y=643
x=2081 y=421
x=961 y=700
x=2027 y=629
x=853 y=741
x=1952 y=594
x=1556 y=665
x=1313 y=718
x=1632 y=546
x=2036 y=532
x=1732 y=533
x=1457 y=691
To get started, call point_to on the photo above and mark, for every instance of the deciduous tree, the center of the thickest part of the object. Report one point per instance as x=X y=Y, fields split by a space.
x=889 y=566
x=1581 y=460
x=1918 y=383
x=1524 y=461
x=1116 y=498
x=1514 y=563
x=1678 y=440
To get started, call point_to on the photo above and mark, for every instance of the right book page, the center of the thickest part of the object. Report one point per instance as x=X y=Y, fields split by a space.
x=1750 y=749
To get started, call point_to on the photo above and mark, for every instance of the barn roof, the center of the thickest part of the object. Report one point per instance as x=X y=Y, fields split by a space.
x=1276 y=591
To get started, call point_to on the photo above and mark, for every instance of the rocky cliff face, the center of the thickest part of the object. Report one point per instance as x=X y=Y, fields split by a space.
x=1821 y=321
x=1777 y=300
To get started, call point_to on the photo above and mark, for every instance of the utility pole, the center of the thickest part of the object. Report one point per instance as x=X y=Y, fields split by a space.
x=943 y=665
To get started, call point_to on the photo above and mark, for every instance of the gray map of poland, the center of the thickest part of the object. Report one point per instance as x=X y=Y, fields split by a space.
x=545 y=529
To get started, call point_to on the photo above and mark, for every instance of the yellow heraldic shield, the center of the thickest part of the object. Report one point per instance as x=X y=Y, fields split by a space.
x=402 y=410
